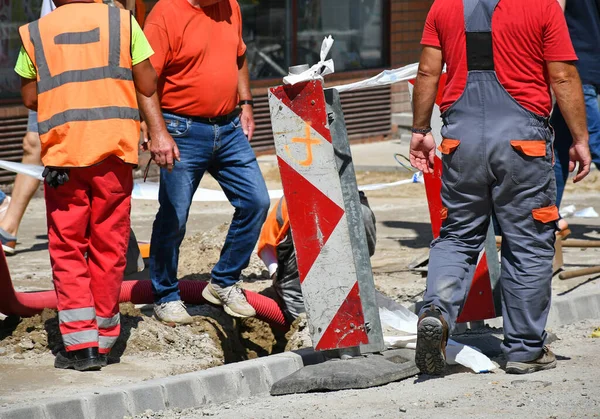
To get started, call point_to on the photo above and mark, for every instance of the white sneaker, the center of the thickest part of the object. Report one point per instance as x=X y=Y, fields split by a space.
x=172 y=312
x=232 y=298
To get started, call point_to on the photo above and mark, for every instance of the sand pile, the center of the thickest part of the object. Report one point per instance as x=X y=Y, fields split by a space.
x=200 y=252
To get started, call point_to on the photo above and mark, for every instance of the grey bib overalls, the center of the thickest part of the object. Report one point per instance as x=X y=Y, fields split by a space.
x=498 y=157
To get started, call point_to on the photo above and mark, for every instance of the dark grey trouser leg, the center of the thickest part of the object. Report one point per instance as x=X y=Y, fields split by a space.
x=454 y=254
x=527 y=253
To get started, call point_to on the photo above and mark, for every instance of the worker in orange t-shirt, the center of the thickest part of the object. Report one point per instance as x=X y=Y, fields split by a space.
x=204 y=92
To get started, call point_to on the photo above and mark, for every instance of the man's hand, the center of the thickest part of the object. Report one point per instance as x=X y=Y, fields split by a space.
x=247 y=120
x=144 y=144
x=164 y=150
x=580 y=153
x=422 y=152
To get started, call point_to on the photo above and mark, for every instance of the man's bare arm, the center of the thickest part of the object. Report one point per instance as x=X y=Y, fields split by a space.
x=563 y=4
x=29 y=93
x=247 y=115
x=145 y=78
x=567 y=88
x=422 y=146
x=426 y=86
x=162 y=146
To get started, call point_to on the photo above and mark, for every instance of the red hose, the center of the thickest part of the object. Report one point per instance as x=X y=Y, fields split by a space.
x=26 y=304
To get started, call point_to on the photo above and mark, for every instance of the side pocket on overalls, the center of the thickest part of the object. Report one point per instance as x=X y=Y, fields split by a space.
x=531 y=161
x=545 y=219
x=450 y=150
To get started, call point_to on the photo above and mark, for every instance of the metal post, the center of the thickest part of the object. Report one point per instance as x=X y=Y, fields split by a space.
x=358 y=238
x=289 y=31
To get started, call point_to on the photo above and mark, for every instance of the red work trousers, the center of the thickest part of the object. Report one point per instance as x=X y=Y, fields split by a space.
x=88 y=231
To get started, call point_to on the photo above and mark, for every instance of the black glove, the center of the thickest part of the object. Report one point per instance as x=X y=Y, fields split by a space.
x=55 y=176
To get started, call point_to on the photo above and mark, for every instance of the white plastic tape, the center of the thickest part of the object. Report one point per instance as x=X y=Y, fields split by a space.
x=384 y=78
x=317 y=71
x=149 y=190
x=25 y=169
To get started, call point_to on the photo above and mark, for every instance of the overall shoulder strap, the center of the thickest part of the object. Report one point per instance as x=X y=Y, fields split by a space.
x=478 y=28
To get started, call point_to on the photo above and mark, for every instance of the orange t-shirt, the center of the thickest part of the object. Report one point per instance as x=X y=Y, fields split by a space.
x=195 y=56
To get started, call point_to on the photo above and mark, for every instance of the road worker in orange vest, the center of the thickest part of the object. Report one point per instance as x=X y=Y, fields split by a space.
x=81 y=68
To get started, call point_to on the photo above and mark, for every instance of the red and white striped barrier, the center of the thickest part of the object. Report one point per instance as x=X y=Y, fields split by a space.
x=313 y=191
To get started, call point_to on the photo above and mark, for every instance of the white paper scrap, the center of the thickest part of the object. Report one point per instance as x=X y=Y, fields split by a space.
x=588 y=212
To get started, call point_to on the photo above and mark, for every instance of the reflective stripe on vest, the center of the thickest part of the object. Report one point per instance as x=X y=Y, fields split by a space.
x=48 y=82
x=97 y=114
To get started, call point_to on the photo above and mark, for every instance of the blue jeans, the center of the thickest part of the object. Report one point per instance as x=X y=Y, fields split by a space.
x=563 y=140
x=224 y=151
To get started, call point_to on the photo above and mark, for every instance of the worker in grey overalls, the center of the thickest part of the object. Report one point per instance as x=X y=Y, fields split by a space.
x=497 y=157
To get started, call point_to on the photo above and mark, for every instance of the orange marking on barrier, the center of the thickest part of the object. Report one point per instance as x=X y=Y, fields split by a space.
x=308 y=141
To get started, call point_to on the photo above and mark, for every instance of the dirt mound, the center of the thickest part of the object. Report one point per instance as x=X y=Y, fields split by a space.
x=199 y=253
x=213 y=339
x=298 y=336
x=31 y=336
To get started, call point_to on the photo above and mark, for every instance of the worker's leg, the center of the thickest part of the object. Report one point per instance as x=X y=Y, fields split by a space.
x=177 y=188
x=68 y=212
x=592 y=110
x=24 y=187
x=524 y=200
x=237 y=171
x=109 y=233
x=467 y=208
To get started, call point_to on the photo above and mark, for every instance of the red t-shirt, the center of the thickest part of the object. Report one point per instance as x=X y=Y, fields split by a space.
x=526 y=34
x=195 y=55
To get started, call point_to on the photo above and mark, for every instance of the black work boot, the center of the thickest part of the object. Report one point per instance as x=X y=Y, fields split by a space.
x=86 y=359
x=432 y=336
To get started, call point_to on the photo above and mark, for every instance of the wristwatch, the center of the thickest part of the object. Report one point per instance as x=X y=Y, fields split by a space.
x=421 y=130
x=246 y=102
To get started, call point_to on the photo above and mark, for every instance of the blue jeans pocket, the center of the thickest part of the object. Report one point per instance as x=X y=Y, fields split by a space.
x=177 y=127
x=236 y=122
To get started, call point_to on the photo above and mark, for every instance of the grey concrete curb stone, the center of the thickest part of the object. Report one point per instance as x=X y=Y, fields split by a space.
x=216 y=385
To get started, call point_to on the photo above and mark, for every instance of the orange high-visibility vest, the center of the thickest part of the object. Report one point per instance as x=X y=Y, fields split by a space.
x=87 y=107
x=276 y=226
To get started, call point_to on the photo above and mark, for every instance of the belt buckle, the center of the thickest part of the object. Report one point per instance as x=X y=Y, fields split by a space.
x=212 y=120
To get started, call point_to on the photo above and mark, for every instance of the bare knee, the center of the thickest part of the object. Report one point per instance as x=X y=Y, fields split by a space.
x=32 y=146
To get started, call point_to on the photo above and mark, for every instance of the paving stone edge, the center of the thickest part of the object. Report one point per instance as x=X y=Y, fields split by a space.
x=230 y=382
x=216 y=385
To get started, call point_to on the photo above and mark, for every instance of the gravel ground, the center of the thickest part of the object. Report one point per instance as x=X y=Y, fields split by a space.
x=570 y=390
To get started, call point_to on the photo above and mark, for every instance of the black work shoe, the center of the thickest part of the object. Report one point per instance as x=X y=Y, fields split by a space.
x=545 y=361
x=432 y=336
x=86 y=359
x=107 y=359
